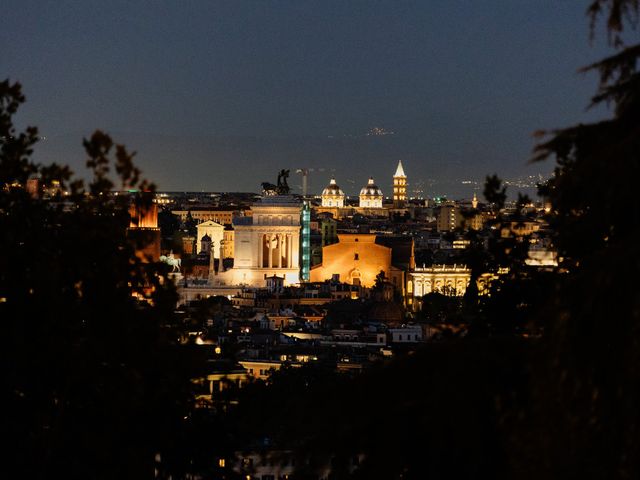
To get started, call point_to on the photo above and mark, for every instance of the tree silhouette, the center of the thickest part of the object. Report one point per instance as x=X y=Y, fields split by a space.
x=584 y=417
x=494 y=192
x=381 y=279
x=93 y=385
x=564 y=407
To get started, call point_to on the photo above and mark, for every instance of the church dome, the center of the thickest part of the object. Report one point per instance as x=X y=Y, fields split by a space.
x=371 y=189
x=332 y=189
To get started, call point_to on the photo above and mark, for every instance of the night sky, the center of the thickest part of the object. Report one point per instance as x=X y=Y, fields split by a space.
x=221 y=95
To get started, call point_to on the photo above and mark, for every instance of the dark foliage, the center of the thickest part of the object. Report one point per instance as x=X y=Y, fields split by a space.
x=436 y=414
x=586 y=385
x=495 y=192
x=95 y=388
x=439 y=308
x=561 y=407
x=93 y=384
x=168 y=223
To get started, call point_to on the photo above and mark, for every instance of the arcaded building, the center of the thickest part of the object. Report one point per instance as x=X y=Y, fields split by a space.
x=448 y=279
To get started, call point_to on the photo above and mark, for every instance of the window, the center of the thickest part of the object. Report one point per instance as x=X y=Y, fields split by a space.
x=355 y=257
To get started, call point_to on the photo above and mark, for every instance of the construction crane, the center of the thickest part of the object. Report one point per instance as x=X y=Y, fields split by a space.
x=305 y=174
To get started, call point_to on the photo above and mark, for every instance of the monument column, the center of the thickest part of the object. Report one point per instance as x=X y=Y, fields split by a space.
x=279 y=250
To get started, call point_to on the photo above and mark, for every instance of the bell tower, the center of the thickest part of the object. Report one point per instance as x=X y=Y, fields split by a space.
x=399 y=187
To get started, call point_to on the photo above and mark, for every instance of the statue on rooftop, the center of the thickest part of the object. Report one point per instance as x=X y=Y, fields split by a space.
x=282 y=188
x=269 y=189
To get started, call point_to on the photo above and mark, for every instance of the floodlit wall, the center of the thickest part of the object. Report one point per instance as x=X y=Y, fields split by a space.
x=356 y=258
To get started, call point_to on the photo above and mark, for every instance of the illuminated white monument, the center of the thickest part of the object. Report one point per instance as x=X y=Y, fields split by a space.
x=268 y=242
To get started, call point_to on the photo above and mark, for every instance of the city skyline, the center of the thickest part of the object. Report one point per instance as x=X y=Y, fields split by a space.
x=285 y=239
x=418 y=189
x=216 y=96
